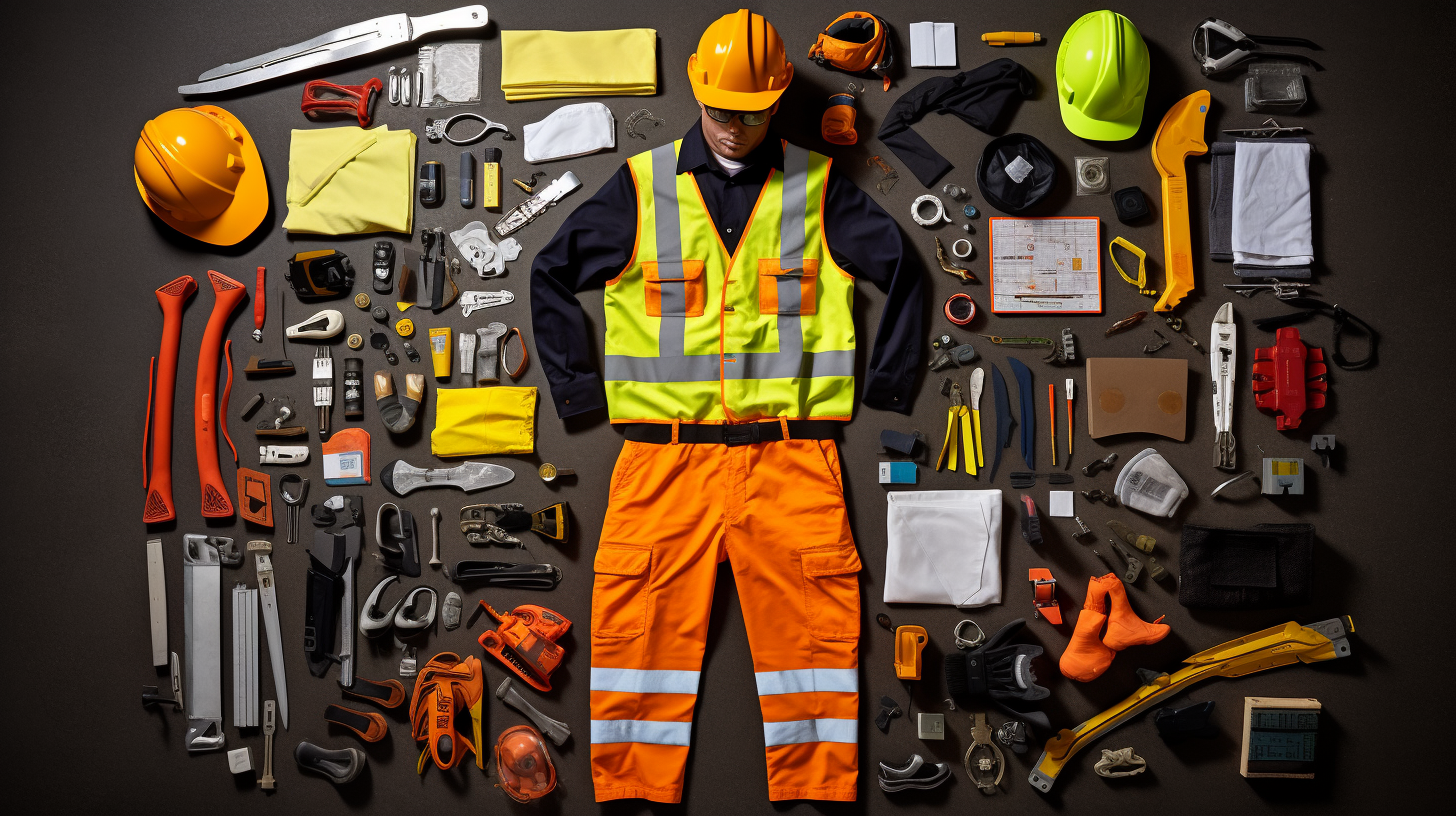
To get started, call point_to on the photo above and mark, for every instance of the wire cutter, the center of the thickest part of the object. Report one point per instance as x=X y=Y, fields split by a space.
x=958 y=411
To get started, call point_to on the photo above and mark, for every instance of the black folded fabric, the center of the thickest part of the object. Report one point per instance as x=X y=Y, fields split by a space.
x=979 y=97
x=1265 y=566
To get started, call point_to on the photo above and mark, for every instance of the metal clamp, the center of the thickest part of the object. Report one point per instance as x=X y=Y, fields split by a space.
x=437 y=129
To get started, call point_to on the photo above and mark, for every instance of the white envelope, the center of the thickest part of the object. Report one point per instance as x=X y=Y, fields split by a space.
x=944 y=547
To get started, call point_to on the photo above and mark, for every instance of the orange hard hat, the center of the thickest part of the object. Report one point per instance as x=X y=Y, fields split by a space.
x=523 y=764
x=198 y=170
x=740 y=64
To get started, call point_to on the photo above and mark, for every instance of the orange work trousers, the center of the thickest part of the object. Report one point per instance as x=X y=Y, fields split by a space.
x=775 y=511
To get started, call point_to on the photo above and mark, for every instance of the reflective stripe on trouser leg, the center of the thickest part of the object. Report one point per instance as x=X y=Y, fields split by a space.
x=650 y=616
x=797 y=575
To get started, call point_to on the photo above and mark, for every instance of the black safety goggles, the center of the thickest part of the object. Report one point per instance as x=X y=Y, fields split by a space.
x=1344 y=322
x=748 y=118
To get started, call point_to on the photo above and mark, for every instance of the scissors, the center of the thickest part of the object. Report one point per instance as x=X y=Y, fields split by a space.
x=293 y=500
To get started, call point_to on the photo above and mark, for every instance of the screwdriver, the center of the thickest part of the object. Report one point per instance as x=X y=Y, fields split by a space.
x=1011 y=38
x=1052 y=418
x=1071 y=386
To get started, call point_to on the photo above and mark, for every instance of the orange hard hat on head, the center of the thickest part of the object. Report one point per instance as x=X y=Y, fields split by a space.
x=740 y=64
x=199 y=171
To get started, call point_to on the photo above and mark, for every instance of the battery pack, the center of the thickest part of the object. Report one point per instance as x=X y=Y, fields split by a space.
x=898 y=473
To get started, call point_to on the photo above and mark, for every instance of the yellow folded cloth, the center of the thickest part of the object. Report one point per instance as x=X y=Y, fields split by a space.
x=552 y=64
x=484 y=421
x=347 y=180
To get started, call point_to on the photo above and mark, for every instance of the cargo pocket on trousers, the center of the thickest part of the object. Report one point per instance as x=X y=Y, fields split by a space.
x=831 y=591
x=787 y=290
x=675 y=289
x=619 y=592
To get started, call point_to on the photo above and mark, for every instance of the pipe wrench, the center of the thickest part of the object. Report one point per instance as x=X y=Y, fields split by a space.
x=471 y=302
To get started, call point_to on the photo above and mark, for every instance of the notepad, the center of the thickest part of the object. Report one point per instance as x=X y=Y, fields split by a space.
x=1046 y=265
x=932 y=45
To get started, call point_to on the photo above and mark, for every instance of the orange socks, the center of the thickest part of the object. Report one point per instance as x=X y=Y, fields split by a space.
x=1124 y=627
x=1087 y=656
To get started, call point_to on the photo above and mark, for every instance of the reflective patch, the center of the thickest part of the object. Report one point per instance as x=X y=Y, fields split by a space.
x=798 y=681
x=645 y=681
x=644 y=731
x=795 y=732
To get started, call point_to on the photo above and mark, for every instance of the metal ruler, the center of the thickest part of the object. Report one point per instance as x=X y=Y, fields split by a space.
x=245 y=657
x=157 y=592
x=202 y=604
x=267 y=592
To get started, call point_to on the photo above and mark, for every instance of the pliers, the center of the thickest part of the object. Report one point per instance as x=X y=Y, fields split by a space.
x=958 y=410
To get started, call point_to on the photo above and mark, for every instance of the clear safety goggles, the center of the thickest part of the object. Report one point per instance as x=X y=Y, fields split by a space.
x=748 y=118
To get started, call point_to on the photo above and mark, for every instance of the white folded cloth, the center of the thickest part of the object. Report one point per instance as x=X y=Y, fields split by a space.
x=945 y=547
x=573 y=130
x=1272 y=224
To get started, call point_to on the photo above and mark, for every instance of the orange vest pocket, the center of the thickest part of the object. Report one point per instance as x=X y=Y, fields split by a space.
x=674 y=291
x=772 y=274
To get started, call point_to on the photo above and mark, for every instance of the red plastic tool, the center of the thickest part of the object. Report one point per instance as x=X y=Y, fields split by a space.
x=320 y=96
x=205 y=414
x=1289 y=378
x=260 y=304
x=157 y=441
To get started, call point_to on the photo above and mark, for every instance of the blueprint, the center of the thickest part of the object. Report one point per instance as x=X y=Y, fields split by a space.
x=1046 y=265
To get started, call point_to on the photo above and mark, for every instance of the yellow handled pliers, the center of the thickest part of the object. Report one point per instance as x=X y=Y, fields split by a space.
x=961 y=428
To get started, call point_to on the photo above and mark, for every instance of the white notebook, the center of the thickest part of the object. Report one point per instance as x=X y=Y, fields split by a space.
x=932 y=45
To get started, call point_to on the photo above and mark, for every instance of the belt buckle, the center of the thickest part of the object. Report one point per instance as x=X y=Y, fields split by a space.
x=736 y=435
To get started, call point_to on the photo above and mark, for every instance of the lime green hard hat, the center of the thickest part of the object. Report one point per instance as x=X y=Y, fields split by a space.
x=1102 y=77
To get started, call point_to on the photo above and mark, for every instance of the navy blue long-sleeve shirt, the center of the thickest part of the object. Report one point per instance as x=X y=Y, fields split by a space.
x=595 y=244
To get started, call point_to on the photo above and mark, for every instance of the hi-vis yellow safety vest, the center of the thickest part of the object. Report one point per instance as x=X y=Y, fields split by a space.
x=697 y=335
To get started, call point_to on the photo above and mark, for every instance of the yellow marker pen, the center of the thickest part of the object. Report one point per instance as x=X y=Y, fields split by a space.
x=1011 y=38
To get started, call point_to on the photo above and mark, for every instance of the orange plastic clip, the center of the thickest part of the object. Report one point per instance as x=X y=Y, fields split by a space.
x=1044 y=594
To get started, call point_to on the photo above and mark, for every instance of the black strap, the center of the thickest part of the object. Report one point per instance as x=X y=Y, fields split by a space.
x=502 y=573
x=733 y=435
x=1343 y=321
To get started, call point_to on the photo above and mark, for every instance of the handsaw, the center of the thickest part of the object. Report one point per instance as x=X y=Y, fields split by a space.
x=337 y=45
x=1005 y=421
x=268 y=595
x=1028 y=411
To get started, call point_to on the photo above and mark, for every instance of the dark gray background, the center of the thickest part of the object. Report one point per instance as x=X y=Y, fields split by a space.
x=86 y=256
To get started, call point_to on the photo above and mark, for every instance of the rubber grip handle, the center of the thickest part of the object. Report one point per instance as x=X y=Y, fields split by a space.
x=259 y=301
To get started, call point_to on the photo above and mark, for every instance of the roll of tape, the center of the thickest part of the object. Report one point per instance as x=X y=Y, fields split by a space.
x=955 y=248
x=938 y=218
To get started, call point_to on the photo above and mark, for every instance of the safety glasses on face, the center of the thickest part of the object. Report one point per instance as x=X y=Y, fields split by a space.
x=748 y=118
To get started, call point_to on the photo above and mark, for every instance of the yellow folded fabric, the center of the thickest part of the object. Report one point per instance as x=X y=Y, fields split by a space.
x=552 y=64
x=347 y=180
x=484 y=421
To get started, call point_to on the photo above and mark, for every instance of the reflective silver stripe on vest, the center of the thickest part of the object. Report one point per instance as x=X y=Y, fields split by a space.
x=790 y=361
x=760 y=365
x=669 y=252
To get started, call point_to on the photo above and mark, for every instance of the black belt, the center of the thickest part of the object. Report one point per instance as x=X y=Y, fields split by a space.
x=733 y=435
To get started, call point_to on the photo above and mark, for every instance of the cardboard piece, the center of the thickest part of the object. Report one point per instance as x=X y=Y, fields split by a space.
x=1137 y=395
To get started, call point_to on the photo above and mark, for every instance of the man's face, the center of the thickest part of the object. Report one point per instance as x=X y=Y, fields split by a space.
x=733 y=139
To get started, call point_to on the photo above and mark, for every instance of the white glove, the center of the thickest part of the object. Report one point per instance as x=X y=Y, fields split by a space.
x=1149 y=484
